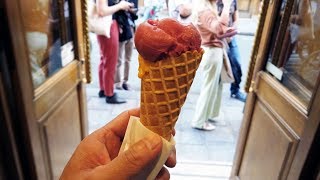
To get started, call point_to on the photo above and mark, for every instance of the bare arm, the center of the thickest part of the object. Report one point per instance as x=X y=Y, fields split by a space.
x=104 y=10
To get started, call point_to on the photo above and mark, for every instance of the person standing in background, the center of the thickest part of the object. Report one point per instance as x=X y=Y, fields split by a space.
x=180 y=9
x=109 y=50
x=149 y=9
x=126 y=23
x=211 y=26
x=233 y=50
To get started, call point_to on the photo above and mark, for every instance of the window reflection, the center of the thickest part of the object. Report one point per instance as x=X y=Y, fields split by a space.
x=300 y=57
x=47 y=28
x=275 y=32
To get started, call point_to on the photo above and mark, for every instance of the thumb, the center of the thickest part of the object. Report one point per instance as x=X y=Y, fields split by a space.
x=137 y=161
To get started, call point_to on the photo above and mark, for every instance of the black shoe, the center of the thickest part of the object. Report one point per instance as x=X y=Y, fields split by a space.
x=101 y=94
x=125 y=86
x=240 y=96
x=114 y=99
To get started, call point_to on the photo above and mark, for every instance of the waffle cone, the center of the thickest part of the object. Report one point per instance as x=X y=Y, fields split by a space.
x=164 y=88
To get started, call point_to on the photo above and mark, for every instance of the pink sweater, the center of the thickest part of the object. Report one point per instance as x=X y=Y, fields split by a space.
x=212 y=28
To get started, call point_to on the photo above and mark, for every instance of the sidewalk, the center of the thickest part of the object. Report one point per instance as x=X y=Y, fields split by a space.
x=200 y=154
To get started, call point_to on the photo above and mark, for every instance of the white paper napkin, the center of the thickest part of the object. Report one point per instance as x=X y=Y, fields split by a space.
x=135 y=132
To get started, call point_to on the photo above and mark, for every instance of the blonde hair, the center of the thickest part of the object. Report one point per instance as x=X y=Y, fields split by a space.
x=201 y=5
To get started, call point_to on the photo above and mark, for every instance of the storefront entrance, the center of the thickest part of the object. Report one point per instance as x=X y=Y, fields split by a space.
x=45 y=62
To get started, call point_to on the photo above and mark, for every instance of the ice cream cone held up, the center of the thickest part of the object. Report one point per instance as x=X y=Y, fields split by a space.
x=169 y=55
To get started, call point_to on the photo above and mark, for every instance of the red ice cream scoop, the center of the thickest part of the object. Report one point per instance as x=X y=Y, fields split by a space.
x=158 y=39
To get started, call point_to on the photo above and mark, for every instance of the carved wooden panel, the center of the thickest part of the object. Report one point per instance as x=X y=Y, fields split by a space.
x=280 y=101
x=278 y=128
x=48 y=95
x=269 y=149
x=62 y=133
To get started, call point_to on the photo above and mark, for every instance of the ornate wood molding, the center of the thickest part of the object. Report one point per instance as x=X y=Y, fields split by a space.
x=249 y=81
x=86 y=41
x=254 y=52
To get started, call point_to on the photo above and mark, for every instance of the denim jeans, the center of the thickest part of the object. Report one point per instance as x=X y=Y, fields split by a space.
x=234 y=56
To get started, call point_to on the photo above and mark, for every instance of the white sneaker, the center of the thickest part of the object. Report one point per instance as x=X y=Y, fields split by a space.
x=206 y=127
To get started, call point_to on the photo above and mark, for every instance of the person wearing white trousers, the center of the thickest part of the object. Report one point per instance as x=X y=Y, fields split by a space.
x=209 y=102
x=212 y=29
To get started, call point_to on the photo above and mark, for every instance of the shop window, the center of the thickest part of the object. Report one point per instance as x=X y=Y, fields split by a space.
x=48 y=33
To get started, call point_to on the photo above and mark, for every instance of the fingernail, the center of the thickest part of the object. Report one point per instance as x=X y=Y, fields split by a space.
x=152 y=141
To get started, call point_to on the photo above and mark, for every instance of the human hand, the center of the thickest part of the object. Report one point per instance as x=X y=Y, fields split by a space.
x=229 y=39
x=124 y=5
x=133 y=10
x=230 y=32
x=96 y=157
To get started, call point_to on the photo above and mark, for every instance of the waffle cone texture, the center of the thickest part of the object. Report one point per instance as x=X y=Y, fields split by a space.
x=164 y=88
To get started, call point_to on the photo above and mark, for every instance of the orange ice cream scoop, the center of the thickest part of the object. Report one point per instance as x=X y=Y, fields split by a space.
x=158 y=39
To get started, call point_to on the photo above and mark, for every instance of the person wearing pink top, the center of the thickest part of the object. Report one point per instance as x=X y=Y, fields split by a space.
x=213 y=28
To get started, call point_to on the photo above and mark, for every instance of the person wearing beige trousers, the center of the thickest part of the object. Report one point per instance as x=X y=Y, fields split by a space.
x=125 y=52
x=212 y=28
x=209 y=102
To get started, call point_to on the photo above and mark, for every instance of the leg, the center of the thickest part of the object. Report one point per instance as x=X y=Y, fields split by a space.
x=215 y=110
x=109 y=50
x=112 y=58
x=209 y=96
x=102 y=47
x=234 y=57
x=128 y=54
x=117 y=77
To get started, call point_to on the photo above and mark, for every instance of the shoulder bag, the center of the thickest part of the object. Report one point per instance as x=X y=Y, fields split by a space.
x=226 y=71
x=98 y=24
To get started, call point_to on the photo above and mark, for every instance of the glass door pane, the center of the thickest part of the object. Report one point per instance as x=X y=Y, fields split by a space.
x=301 y=64
x=298 y=59
x=48 y=34
x=275 y=35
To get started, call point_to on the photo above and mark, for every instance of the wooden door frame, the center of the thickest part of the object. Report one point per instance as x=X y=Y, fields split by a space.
x=24 y=100
x=258 y=61
x=304 y=152
x=22 y=86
